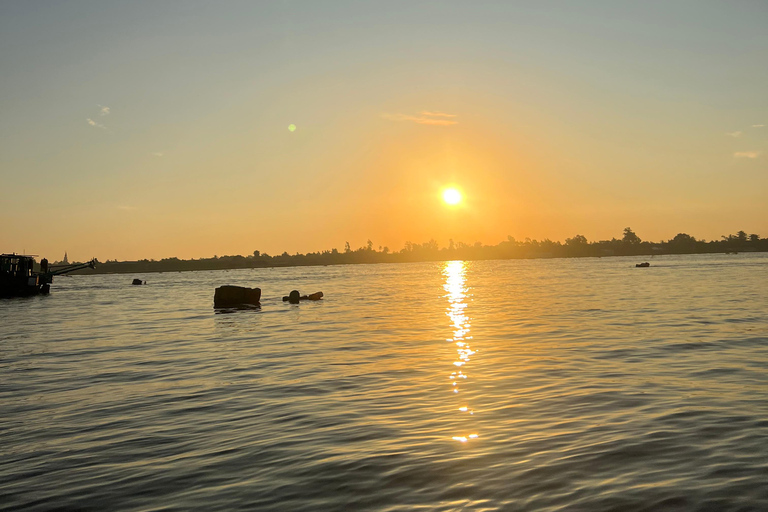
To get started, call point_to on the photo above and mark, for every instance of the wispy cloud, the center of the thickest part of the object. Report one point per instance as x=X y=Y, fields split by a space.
x=421 y=119
x=733 y=134
x=103 y=111
x=747 y=154
x=437 y=114
x=95 y=124
x=157 y=154
x=758 y=125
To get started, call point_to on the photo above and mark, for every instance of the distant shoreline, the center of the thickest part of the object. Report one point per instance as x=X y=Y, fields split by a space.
x=129 y=267
x=510 y=249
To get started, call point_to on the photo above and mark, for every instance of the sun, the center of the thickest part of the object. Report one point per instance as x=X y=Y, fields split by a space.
x=452 y=196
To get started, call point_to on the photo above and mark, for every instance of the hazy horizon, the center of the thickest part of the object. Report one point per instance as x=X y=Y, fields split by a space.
x=154 y=130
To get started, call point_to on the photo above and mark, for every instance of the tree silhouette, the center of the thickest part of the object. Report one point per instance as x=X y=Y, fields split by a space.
x=630 y=237
x=576 y=246
x=577 y=240
x=683 y=243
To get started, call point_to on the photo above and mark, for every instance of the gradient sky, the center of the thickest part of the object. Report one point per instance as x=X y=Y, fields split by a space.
x=154 y=129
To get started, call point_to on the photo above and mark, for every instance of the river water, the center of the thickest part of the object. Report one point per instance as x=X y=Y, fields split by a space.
x=568 y=384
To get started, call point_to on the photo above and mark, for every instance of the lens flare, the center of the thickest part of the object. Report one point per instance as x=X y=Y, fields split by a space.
x=291 y=127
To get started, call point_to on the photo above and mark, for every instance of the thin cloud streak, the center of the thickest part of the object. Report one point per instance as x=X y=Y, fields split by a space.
x=104 y=111
x=733 y=134
x=758 y=125
x=747 y=154
x=419 y=119
x=157 y=154
x=437 y=114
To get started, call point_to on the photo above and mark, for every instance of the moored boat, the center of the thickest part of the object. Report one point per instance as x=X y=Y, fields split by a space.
x=18 y=277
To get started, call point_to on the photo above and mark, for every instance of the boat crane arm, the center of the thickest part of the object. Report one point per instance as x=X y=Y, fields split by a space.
x=72 y=268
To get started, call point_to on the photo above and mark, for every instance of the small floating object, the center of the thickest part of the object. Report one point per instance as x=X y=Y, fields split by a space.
x=646 y=264
x=228 y=296
x=138 y=282
x=295 y=297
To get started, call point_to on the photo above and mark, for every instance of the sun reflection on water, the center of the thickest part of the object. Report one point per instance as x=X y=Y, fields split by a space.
x=455 y=286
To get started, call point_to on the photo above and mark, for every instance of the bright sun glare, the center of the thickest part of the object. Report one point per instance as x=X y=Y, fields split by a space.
x=451 y=196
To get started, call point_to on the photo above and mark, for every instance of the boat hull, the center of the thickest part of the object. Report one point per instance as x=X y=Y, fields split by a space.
x=23 y=287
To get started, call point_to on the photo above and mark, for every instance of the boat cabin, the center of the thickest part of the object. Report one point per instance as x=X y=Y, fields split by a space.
x=17 y=276
x=16 y=265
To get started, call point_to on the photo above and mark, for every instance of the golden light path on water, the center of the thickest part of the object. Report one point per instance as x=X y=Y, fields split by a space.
x=455 y=286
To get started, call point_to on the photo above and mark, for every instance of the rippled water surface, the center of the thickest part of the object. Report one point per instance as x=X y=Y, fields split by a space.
x=582 y=384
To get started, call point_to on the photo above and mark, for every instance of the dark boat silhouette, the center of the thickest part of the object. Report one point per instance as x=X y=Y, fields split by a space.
x=18 y=277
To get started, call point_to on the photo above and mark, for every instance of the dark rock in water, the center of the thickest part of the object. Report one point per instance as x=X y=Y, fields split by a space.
x=227 y=296
x=138 y=281
x=646 y=264
x=295 y=297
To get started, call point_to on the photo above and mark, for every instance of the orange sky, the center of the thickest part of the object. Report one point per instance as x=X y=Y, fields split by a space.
x=150 y=131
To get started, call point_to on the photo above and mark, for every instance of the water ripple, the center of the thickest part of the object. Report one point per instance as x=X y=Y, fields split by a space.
x=501 y=385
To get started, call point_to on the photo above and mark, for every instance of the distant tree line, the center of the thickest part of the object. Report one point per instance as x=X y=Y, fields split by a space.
x=578 y=246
